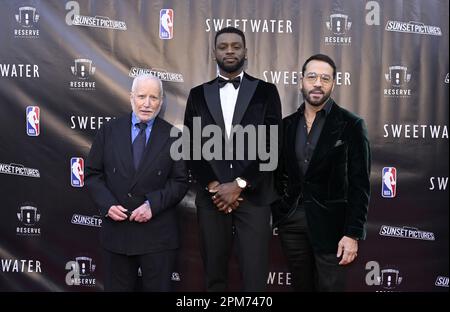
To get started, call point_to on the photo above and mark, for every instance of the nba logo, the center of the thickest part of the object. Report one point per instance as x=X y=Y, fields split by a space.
x=32 y=116
x=166 y=24
x=389 y=182
x=77 y=172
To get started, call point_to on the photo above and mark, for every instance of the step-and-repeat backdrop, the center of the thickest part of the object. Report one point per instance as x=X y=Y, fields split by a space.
x=66 y=68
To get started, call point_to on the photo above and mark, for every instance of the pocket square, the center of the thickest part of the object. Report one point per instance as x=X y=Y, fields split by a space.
x=338 y=143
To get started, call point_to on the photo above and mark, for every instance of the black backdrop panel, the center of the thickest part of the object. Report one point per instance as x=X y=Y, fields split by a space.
x=66 y=68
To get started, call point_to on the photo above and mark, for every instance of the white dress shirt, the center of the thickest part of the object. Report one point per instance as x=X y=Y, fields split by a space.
x=228 y=97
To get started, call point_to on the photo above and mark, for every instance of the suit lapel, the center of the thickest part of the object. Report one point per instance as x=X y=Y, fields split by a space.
x=246 y=91
x=332 y=129
x=212 y=98
x=123 y=145
x=291 y=133
x=155 y=143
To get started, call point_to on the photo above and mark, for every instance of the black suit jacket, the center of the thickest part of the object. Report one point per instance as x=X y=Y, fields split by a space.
x=335 y=189
x=258 y=103
x=112 y=180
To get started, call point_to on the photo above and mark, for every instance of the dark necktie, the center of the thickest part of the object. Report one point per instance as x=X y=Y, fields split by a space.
x=139 y=144
x=235 y=81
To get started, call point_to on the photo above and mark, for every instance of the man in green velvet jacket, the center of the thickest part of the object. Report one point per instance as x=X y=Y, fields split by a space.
x=323 y=180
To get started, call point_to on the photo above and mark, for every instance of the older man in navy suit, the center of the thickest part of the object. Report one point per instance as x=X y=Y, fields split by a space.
x=136 y=185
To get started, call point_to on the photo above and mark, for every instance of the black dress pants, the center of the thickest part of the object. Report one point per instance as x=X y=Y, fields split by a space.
x=121 y=271
x=311 y=270
x=249 y=227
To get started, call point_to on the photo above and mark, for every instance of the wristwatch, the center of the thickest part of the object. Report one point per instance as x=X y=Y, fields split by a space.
x=241 y=183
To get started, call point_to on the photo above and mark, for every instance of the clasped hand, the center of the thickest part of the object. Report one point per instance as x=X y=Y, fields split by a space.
x=225 y=196
x=141 y=214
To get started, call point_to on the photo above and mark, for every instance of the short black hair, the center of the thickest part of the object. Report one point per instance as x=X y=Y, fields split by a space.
x=323 y=58
x=230 y=30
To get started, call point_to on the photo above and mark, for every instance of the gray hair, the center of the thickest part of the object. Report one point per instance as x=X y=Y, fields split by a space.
x=149 y=77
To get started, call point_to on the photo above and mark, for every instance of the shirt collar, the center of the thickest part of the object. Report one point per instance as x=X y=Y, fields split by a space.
x=326 y=108
x=135 y=120
x=240 y=75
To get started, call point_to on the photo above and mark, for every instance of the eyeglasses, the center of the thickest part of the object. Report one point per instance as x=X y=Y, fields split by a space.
x=312 y=78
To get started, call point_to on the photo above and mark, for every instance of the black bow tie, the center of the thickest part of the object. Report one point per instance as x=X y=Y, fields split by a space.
x=235 y=81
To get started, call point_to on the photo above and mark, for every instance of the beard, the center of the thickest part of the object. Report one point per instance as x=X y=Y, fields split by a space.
x=231 y=68
x=307 y=97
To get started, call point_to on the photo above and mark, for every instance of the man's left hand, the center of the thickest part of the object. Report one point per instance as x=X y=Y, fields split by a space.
x=226 y=197
x=141 y=214
x=348 y=248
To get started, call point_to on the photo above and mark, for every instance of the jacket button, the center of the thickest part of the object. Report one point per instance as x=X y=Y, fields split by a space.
x=159 y=172
x=129 y=195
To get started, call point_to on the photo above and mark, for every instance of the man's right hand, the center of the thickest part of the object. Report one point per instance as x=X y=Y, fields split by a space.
x=212 y=186
x=226 y=207
x=117 y=213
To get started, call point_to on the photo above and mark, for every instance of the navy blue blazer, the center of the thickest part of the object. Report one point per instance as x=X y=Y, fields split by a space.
x=112 y=180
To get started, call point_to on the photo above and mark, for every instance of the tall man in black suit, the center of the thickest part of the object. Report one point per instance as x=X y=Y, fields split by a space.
x=234 y=194
x=324 y=178
x=136 y=186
